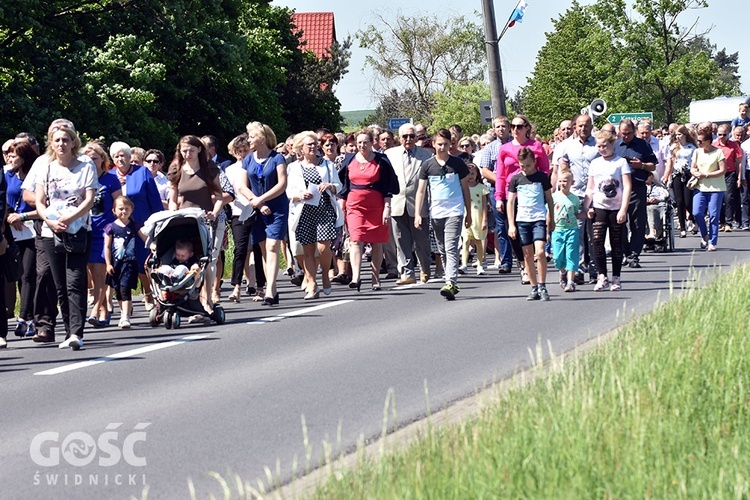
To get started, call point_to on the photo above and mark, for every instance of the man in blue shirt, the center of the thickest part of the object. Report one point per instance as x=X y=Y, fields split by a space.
x=642 y=161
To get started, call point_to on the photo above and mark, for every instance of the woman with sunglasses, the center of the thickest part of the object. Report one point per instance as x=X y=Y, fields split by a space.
x=508 y=166
x=678 y=172
x=708 y=166
x=154 y=161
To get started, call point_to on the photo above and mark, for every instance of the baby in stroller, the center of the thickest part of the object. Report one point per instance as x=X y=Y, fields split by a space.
x=184 y=262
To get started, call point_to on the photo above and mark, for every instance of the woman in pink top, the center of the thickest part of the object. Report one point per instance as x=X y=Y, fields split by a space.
x=507 y=157
x=508 y=166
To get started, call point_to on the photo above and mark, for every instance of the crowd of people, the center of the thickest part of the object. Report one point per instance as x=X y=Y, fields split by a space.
x=412 y=207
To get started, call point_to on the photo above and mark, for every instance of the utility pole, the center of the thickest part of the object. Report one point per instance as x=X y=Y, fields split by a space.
x=497 y=90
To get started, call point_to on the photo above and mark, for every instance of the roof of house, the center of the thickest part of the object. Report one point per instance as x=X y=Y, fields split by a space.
x=318 y=30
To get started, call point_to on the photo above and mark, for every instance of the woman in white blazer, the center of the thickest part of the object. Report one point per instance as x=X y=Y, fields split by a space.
x=314 y=214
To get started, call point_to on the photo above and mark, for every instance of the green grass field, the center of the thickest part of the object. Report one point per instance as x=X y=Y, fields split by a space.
x=352 y=119
x=662 y=410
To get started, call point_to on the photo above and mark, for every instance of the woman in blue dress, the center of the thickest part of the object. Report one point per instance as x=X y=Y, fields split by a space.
x=265 y=187
x=101 y=216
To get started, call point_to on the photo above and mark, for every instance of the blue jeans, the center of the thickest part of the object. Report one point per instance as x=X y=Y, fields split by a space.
x=711 y=200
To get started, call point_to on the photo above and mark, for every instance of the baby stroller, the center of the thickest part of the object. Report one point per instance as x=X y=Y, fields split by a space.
x=661 y=215
x=176 y=297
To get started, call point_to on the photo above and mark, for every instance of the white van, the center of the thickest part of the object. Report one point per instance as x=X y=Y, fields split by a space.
x=720 y=110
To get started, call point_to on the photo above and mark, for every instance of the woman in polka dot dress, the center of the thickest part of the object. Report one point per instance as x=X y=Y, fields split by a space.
x=314 y=214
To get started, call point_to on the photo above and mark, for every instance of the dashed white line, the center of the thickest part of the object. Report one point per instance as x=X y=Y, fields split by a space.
x=121 y=355
x=299 y=312
x=190 y=338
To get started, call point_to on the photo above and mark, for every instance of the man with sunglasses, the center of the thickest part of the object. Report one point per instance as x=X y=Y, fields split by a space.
x=732 y=211
x=407 y=160
x=642 y=161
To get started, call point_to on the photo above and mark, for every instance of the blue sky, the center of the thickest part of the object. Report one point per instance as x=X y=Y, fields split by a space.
x=519 y=46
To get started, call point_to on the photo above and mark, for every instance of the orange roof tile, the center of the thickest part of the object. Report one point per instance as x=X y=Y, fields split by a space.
x=318 y=31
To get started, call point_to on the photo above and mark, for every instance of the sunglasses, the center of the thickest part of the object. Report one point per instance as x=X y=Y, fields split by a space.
x=408 y=136
x=152 y=160
x=465 y=146
x=721 y=135
x=517 y=125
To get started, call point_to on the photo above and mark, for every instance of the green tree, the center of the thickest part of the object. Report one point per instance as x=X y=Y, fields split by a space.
x=459 y=103
x=148 y=71
x=667 y=67
x=420 y=54
x=576 y=65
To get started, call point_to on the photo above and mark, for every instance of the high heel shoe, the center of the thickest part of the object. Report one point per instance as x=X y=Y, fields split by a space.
x=376 y=287
x=271 y=301
x=355 y=284
x=312 y=295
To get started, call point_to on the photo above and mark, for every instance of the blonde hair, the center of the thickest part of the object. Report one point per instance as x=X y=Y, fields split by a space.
x=71 y=134
x=302 y=137
x=265 y=131
x=98 y=149
x=606 y=135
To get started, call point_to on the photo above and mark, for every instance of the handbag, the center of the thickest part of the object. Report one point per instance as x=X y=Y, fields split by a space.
x=692 y=183
x=11 y=261
x=66 y=242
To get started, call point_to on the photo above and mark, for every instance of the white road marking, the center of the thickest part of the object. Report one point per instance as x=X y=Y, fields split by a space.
x=299 y=312
x=163 y=345
x=121 y=355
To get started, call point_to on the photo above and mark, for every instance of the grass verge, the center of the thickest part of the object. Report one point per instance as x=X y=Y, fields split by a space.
x=662 y=410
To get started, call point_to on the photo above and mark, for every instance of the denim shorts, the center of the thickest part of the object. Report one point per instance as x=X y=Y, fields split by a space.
x=529 y=232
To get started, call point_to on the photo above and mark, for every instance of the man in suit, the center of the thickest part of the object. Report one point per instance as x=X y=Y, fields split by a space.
x=407 y=161
x=210 y=142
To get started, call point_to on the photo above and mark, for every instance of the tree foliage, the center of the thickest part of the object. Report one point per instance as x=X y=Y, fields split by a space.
x=638 y=59
x=459 y=104
x=419 y=55
x=148 y=71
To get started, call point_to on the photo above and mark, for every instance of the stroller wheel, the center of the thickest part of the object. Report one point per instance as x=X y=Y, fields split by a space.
x=168 y=320
x=219 y=315
x=176 y=321
x=153 y=317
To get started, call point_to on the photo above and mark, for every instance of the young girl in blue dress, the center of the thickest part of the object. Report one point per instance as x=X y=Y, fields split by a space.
x=120 y=255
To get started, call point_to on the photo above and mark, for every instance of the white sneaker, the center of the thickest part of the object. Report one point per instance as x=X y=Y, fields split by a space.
x=124 y=323
x=601 y=283
x=3 y=343
x=462 y=270
x=73 y=342
x=480 y=271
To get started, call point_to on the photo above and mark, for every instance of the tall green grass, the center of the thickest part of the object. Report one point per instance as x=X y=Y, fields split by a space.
x=662 y=410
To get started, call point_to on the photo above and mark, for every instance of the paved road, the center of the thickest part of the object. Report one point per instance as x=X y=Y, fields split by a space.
x=203 y=399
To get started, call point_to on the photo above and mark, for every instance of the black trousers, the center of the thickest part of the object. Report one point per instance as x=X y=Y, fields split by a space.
x=69 y=274
x=28 y=278
x=732 y=210
x=45 y=295
x=637 y=221
x=241 y=237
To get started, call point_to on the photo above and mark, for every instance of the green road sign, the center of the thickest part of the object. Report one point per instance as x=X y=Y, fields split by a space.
x=618 y=117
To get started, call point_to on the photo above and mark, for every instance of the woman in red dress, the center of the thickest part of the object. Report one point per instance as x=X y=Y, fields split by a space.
x=369 y=182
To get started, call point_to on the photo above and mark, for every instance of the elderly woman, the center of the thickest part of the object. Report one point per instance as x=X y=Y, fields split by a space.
x=155 y=162
x=20 y=216
x=314 y=213
x=369 y=182
x=137 y=183
x=708 y=167
x=195 y=184
x=265 y=187
x=101 y=215
x=64 y=196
